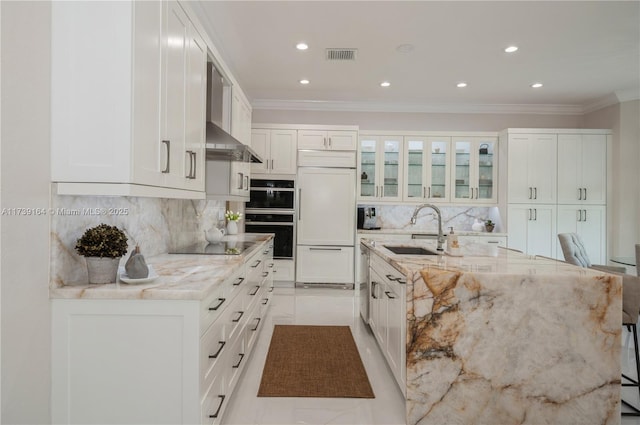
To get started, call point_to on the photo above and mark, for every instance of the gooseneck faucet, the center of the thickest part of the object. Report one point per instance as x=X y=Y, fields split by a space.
x=437 y=210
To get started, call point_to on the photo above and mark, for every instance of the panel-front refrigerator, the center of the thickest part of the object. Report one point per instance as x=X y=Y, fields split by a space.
x=326 y=218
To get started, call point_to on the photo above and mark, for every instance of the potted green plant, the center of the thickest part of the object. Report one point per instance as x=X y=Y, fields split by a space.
x=102 y=246
x=489 y=225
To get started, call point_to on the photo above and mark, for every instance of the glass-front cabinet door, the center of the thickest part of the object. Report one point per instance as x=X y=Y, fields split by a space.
x=426 y=174
x=474 y=170
x=380 y=162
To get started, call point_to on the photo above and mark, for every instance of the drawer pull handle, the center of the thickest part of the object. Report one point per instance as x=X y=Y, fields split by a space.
x=265 y=301
x=167 y=168
x=389 y=296
x=270 y=266
x=402 y=281
x=265 y=274
x=271 y=289
x=257 y=264
x=265 y=252
x=222 y=300
x=325 y=249
x=240 y=280
x=256 y=291
x=215 y=415
x=257 y=324
x=373 y=290
x=239 y=317
x=217 y=353
x=391 y=278
x=237 y=365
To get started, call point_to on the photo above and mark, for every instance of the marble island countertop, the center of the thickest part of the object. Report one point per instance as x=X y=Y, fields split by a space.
x=474 y=257
x=500 y=337
x=415 y=231
x=180 y=276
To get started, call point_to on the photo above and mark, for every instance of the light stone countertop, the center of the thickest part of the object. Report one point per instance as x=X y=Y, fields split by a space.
x=181 y=276
x=424 y=232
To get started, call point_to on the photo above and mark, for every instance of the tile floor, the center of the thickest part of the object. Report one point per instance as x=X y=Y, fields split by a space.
x=321 y=306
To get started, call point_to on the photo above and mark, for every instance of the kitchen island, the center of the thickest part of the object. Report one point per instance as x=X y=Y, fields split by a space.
x=499 y=337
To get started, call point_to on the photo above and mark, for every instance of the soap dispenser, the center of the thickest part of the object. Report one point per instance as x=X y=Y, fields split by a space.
x=452 y=242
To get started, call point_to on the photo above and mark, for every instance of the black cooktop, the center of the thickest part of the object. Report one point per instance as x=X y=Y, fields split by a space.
x=219 y=248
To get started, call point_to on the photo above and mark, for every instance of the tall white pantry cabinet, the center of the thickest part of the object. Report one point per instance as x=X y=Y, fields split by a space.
x=556 y=182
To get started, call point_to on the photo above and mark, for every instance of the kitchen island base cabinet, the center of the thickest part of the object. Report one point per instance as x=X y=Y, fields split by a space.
x=325 y=264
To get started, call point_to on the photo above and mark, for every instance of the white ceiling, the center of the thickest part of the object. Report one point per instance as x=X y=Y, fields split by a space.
x=585 y=53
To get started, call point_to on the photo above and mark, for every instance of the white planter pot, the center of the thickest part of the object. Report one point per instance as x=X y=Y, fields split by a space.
x=232 y=228
x=102 y=270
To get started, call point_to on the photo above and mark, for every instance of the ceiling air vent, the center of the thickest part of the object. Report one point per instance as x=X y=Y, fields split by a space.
x=341 y=54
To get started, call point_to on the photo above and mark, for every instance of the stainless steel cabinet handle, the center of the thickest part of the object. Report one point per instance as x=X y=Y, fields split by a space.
x=215 y=415
x=192 y=165
x=246 y=182
x=217 y=353
x=373 y=290
x=325 y=249
x=429 y=191
x=195 y=164
x=256 y=264
x=240 y=180
x=424 y=192
x=535 y=214
x=222 y=300
x=585 y=215
x=579 y=194
x=167 y=168
x=377 y=191
x=535 y=193
x=585 y=193
x=272 y=165
x=299 y=204
x=256 y=291
x=265 y=274
x=329 y=141
x=579 y=215
x=240 y=280
x=530 y=193
x=324 y=141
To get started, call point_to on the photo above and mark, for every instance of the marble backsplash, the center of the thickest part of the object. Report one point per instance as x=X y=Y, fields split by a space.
x=460 y=218
x=156 y=225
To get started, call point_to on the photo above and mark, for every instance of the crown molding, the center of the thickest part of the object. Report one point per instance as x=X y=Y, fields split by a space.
x=323 y=105
x=628 y=95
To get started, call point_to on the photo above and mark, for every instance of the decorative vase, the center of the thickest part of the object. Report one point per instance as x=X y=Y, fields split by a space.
x=489 y=227
x=232 y=228
x=102 y=269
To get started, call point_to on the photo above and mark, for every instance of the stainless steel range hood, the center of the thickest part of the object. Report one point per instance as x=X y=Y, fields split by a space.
x=223 y=146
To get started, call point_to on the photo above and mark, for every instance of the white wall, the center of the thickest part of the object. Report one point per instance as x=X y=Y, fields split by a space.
x=26 y=333
x=416 y=121
x=624 y=210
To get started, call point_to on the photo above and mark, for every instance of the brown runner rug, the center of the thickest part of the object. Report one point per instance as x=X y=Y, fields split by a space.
x=314 y=361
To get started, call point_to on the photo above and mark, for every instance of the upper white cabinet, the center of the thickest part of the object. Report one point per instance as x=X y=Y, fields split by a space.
x=532 y=164
x=380 y=163
x=277 y=148
x=128 y=99
x=426 y=168
x=582 y=169
x=474 y=170
x=337 y=140
x=240 y=117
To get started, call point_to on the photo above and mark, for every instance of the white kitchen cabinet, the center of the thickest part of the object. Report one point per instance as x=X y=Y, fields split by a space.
x=228 y=180
x=380 y=166
x=426 y=169
x=488 y=239
x=240 y=116
x=582 y=169
x=337 y=140
x=278 y=150
x=325 y=264
x=588 y=221
x=125 y=120
x=388 y=313
x=474 y=170
x=157 y=361
x=532 y=228
x=532 y=168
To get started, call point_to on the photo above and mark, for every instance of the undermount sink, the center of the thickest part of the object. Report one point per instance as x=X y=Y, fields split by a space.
x=410 y=250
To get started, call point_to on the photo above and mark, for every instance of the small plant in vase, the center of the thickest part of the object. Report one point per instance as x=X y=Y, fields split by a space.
x=489 y=225
x=232 y=221
x=102 y=246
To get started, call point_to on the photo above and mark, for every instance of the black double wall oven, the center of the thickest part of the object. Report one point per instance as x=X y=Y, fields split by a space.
x=272 y=210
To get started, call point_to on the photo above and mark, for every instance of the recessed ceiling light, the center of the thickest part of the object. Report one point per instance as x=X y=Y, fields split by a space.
x=405 y=48
x=511 y=49
x=536 y=85
x=385 y=84
x=304 y=81
x=461 y=84
x=302 y=46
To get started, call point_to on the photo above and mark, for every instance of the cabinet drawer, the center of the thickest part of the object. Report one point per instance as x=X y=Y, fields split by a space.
x=325 y=264
x=284 y=270
x=236 y=362
x=215 y=400
x=213 y=306
x=213 y=350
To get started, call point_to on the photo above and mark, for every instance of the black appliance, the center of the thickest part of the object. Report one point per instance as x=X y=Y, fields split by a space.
x=272 y=210
x=367 y=218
